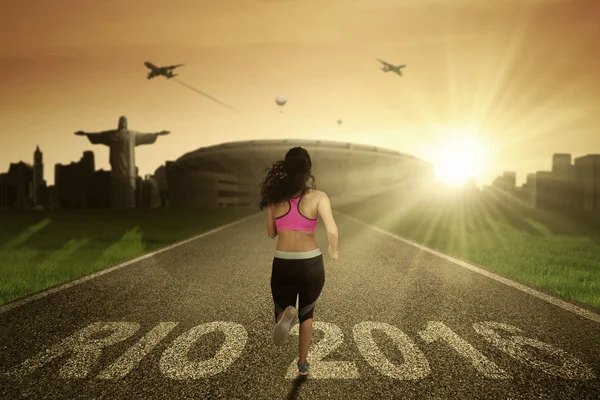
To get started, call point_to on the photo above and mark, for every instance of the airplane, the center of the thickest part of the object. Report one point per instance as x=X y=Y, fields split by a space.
x=164 y=71
x=386 y=67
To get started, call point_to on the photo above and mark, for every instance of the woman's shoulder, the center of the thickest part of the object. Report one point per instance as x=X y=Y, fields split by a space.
x=317 y=194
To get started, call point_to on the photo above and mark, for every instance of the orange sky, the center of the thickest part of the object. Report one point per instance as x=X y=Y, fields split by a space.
x=525 y=73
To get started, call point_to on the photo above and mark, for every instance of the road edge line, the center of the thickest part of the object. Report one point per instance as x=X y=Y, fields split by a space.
x=519 y=286
x=45 y=292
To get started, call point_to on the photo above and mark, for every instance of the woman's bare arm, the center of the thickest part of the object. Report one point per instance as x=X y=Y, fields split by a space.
x=271 y=227
x=324 y=209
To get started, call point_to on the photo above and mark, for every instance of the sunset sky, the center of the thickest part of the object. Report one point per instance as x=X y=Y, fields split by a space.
x=521 y=76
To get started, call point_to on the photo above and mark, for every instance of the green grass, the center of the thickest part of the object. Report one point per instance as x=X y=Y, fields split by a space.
x=559 y=252
x=42 y=249
x=556 y=251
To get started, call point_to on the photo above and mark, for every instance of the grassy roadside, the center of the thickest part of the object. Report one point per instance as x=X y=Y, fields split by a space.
x=43 y=249
x=556 y=251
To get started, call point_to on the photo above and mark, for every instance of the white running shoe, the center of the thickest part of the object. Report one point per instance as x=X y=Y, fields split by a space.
x=283 y=327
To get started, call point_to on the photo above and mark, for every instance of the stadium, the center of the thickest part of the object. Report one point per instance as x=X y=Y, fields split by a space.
x=229 y=174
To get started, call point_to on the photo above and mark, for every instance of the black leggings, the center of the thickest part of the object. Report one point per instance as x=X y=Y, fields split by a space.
x=303 y=278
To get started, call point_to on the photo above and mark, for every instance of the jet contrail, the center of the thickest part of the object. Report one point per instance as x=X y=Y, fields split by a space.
x=204 y=94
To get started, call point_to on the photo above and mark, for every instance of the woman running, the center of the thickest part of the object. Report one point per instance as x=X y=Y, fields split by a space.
x=293 y=208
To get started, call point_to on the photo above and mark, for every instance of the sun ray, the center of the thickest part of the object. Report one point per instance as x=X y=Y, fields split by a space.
x=502 y=75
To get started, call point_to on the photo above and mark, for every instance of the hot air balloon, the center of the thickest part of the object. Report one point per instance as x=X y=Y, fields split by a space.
x=339 y=122
x=280 y=100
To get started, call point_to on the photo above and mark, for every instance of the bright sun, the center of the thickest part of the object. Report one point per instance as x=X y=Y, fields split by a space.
x=457 y=160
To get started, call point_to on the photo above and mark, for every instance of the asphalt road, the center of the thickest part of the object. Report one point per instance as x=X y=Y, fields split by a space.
x=393 y=322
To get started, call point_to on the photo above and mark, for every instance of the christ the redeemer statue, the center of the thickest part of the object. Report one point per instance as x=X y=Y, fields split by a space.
x=122 y=144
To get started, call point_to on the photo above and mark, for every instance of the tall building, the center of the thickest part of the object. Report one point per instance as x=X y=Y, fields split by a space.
x=567 y=193
x=87 y=161
x=3 y=190
x=160 y=175
x=147 y=192
x=543 y=190
x=139 y=190
x=562 y=167
x=38 y=176
x=510 y=179
x=99 y=190
x=507 y=182
x=587 y=172
x=558 y=188
x=73 y=182
x=529 y=190
x=530 y=179
x=16 y=185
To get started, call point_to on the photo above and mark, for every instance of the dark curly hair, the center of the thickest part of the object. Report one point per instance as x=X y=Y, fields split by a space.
x=286 y=178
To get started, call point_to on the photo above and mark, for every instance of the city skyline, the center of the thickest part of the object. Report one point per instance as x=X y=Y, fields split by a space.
x=228 y=175
x=523 y=74
x=518 y=181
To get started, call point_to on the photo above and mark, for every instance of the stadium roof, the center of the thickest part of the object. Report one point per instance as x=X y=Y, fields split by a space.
x=308 y=143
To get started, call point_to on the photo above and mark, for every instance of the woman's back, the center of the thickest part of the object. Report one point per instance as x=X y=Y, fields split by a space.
x=307 y=205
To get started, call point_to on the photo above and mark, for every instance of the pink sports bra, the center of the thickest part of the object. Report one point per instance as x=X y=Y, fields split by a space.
x=294 y=220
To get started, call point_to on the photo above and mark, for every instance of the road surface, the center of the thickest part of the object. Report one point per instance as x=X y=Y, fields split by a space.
x=394 y=321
